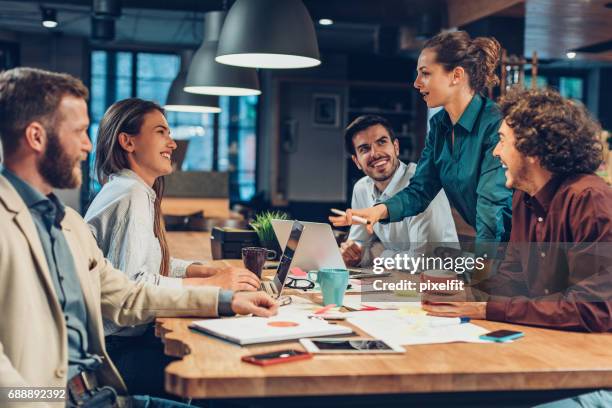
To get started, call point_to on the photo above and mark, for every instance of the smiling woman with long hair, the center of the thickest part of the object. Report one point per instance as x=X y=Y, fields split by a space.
x=133 y=153
x=453 y=72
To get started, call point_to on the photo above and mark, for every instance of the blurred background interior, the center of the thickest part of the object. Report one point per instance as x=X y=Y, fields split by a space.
x=283 y=148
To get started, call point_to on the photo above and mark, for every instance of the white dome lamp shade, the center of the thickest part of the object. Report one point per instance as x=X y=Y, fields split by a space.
x=269 y=34
x=206 y=76
x=180 y=101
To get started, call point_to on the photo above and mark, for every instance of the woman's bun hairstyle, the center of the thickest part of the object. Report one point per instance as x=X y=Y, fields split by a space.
x=479 y=57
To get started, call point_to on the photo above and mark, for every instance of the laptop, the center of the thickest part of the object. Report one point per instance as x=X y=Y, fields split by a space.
x=318 y=248
x=275 y=286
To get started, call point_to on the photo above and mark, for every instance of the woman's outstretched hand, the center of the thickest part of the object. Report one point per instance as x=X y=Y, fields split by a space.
x=371 y=214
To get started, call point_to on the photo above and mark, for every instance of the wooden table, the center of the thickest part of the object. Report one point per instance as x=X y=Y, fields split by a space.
x=542 y=360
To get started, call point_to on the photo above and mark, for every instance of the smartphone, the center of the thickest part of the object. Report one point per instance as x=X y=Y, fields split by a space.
x=502 y=335
x=276 y=357
x=349 y=346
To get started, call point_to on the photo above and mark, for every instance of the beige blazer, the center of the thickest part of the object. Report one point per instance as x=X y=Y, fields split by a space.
x=33 y=339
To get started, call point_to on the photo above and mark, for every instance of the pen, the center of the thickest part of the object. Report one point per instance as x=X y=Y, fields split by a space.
x=449 y=321
x=357 y=218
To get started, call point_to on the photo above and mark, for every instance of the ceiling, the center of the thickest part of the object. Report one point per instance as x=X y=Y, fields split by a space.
x=357 y=28
x=552 y=27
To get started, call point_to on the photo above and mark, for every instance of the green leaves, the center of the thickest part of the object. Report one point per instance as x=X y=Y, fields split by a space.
x=263 y=225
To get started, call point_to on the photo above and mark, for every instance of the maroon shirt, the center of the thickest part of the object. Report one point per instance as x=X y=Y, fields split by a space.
x=557 y=271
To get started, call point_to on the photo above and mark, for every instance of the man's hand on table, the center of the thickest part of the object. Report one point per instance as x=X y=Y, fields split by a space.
x=228 y=277
x=351 y=253
x=258 y=304
x=473 y=310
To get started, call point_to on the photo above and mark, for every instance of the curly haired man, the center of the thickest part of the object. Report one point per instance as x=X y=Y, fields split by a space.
x=557 y=272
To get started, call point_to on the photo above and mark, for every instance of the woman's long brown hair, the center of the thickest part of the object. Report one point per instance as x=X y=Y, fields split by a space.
x=127 y=116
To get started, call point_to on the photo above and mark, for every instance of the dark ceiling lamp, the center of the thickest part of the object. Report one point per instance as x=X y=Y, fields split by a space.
x=206 y=76
x=180 y=101
x=107 y=8
x=49 y=17
x=102 y=29
x=104 y=13
x=269 y=34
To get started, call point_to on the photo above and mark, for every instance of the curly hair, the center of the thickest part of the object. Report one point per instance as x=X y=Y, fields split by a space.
x=558 y=131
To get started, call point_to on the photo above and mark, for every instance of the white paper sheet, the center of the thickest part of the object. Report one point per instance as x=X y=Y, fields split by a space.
x=410 y=329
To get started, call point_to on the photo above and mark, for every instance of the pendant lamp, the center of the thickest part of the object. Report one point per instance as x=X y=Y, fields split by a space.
x=180 y=101
x=206 y=76
x=268 y=34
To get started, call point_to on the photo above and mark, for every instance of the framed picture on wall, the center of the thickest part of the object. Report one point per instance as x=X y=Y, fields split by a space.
x=326 y=110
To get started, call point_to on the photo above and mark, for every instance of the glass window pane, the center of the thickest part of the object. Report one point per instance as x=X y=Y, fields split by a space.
x=571 y=87
x=124 y=64
x=222 y=150
x=224 y=118
x=199 y=153
x=158 y=66
x=248 y=112
x=237 y=147
x=98 y=63
x=541 y=82
x=123 y=88
x=246 y=163
x=155 y=75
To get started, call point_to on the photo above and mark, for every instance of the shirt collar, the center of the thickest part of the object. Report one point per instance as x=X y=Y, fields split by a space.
x=544 y=197
x=127 y=173
x=33 y=198
x=469 y=115
x=390 y=189
x=28 y=194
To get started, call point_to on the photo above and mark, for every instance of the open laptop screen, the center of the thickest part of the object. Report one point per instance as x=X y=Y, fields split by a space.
x=285 y=262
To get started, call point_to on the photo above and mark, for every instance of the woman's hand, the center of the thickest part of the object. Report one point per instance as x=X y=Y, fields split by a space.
x=198 y=270
x=372 y=214
x=228 y=277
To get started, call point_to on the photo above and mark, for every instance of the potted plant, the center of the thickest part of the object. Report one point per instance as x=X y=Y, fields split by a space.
x=263 y=227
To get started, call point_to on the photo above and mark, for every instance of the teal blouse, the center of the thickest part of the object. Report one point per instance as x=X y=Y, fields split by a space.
x=471 y=177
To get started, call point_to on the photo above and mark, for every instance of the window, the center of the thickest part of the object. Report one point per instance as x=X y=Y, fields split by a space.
x=237 y=144
x=223 y=143
x=571 y=87
x=541 y=82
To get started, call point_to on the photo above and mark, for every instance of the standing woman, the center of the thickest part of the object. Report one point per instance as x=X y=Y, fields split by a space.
x=133 y=153
x=453 y=72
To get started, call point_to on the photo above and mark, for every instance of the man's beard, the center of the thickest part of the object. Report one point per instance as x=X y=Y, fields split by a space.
x=520 y=176
x=56 y=167
x=395 y=163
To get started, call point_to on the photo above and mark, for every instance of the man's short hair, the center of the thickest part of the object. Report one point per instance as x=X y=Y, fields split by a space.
x=558 y=131
x=361 y=124
x=30 y=94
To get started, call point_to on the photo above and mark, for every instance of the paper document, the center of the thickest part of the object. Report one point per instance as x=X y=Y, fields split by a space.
x=291 y=322
x=411 y=328
x=253 y=330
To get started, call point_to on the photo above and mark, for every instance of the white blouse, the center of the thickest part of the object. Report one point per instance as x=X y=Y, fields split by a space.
x=121 y=218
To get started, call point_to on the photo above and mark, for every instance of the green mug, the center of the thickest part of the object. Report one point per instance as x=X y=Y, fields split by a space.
x=333 y=283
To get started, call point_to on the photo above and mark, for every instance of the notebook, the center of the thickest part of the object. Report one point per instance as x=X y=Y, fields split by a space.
x=253 y=330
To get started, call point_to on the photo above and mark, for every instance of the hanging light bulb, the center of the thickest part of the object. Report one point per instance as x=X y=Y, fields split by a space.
x=269 y=34
x=207 y=76
x=180 y=101
x=49 y=17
